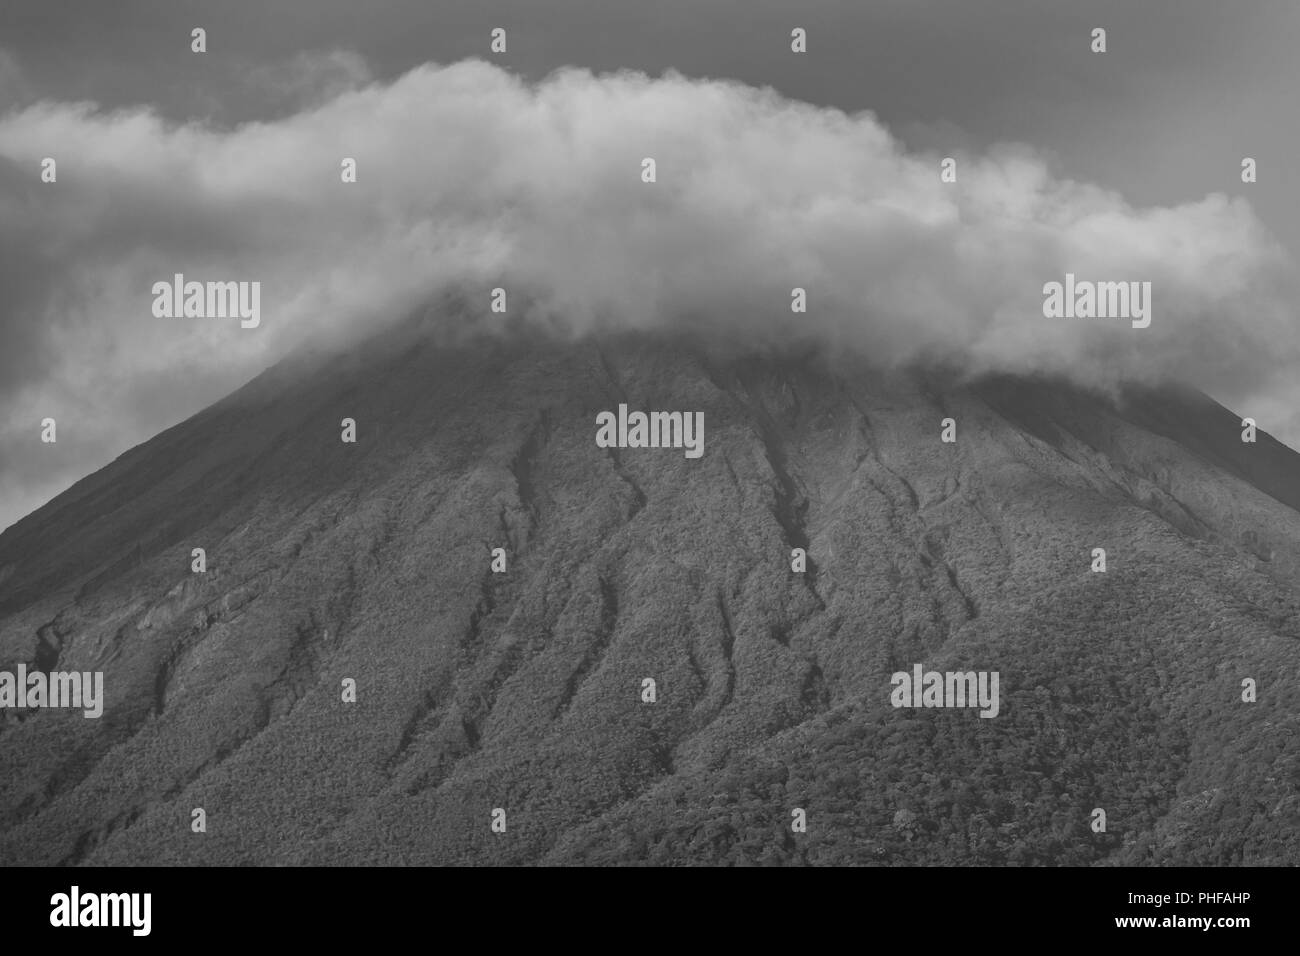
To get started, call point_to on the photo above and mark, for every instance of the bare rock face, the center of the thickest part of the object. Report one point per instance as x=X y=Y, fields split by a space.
x=525 y=690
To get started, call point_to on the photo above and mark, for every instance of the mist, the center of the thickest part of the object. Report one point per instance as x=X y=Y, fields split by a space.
x=469 y=176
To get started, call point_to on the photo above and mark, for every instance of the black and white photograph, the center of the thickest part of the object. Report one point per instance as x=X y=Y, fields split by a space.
x=583 y=434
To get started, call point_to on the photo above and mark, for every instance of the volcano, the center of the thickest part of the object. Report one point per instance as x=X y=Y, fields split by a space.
x=475 y=635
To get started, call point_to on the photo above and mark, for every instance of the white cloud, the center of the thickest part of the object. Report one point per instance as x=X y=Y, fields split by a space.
x=468 y=174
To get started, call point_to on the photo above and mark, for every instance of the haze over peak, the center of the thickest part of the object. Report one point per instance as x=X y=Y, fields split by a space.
x=467 y=174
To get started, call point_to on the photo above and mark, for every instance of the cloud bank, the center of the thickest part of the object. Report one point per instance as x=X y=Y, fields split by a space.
x=468 y=175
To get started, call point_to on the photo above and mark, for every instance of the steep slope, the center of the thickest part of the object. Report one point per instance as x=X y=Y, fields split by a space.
x=523 y=690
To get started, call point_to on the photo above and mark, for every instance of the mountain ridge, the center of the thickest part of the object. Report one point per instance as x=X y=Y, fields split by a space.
x=521 y=690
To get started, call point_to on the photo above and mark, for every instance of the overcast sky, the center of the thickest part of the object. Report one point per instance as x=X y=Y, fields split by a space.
x=173 y=161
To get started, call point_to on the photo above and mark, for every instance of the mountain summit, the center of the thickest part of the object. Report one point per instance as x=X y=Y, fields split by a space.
x=560 y=650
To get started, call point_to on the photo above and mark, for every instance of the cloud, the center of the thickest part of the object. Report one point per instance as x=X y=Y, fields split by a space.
x=469 y=175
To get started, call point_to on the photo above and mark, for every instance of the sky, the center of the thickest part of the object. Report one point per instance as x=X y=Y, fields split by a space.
x=776 y=169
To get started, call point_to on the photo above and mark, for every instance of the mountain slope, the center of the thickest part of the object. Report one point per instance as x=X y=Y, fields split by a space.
x=522 y=690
